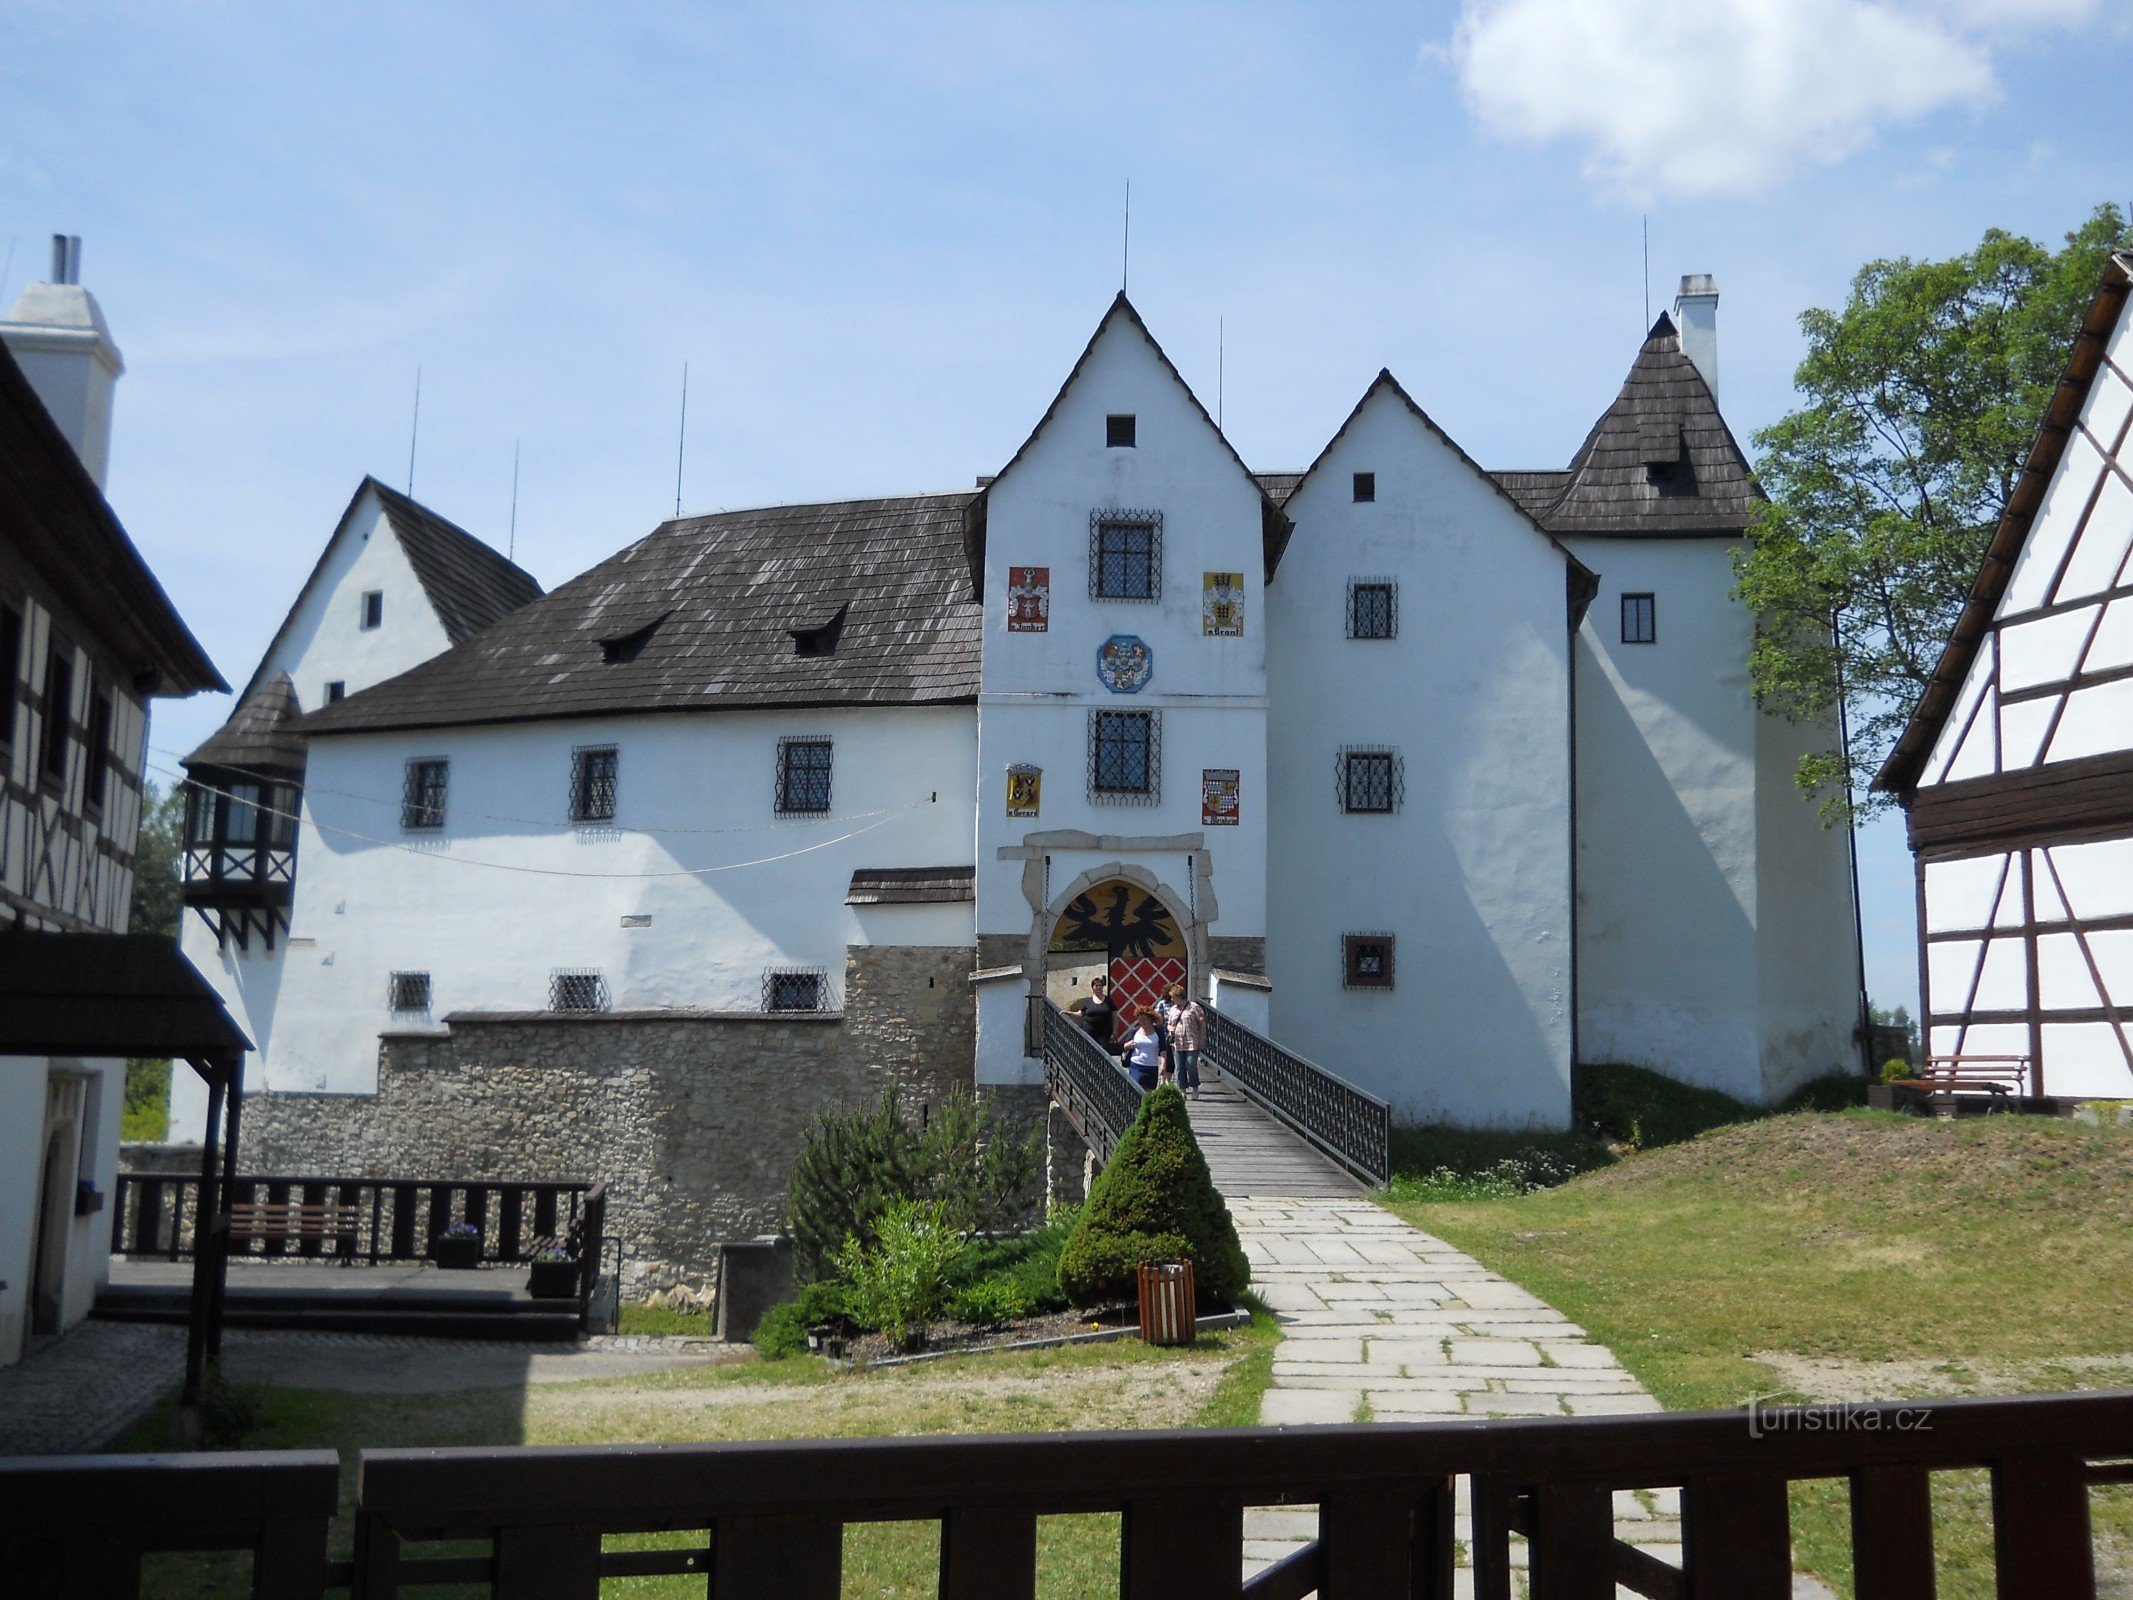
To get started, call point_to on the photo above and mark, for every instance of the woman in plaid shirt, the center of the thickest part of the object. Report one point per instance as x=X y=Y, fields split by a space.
x=1186 y=1023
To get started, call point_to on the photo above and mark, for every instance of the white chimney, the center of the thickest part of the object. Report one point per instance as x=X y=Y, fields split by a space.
x=1696 y=316
x=58 y=337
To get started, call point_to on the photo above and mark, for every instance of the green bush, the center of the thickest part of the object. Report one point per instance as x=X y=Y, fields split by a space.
x=853 y=1166
x=147 y=1115
x=1154 y=1200
x=783 y=1330
x=1507 y=1178
x=1896 y=1068
x=900 y=1282
x=990 y=1302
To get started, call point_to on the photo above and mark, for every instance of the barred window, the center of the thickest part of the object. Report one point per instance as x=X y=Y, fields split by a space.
x=1366 y=961
x=795 y=989
x=1640 y=621
x=1373 y=608
x=1125 y=756
x=592 y=784
x=1370 y=780
x=409 y=992
x=422 y=796
x=803 y=777
x=1126 y=555
x=580 y=990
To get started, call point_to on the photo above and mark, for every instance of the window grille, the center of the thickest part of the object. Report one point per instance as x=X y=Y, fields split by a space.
x=1366 y=961
x=1366 y=487
x=796 y=989
x=803 y=777
x=1370 y=780
x=422 y=797
x=409 y=992
x=1640 y=620
x=1119 y=430
x=1125 y=555
x=592 y=784
x=1126 y=757
x=581 y=990
x=1373 y=608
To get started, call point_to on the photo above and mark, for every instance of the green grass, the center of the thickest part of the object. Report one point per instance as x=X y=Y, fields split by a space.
x=1917 y=1255
x=1071 y=1389
x=660 y=1322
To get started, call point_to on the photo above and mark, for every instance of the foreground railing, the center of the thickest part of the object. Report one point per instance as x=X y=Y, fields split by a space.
x=769 y=1519
x=1098 y=1097
x=1351 y=1125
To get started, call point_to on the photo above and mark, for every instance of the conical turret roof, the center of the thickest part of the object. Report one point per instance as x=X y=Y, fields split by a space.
x=257 y=738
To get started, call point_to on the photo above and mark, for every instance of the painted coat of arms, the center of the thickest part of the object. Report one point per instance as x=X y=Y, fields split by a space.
x=1222 y=604
x=1218 y=797
x=1025 y=788
x=1029 y=599
x=1125 y=663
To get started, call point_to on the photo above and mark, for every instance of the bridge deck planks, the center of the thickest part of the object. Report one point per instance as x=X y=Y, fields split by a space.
x=1250 y=1153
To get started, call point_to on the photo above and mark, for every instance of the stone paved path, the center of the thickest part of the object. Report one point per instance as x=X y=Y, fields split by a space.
x=1383 y=1322
x=80 y=1392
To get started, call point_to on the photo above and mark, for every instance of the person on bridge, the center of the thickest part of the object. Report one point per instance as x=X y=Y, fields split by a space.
x=1097 y=1013
x=1186 y=1022
x=1144 y=1051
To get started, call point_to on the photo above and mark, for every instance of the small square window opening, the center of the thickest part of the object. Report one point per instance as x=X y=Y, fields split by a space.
x=592 y=784
x=803 y=777
x=577 y=991
x=336 y=691
x=1640 y=622
x=1118 y=431
x=409 y=992
x=422 y=795
x=373 y=609
x=1366 y=487
x=1366 y=961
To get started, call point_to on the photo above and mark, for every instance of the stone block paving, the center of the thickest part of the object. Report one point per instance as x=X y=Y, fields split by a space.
x=78 y=1393
x=1384 y=1323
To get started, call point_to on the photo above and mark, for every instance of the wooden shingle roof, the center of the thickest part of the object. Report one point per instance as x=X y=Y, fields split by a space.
x=1664 y=418
x=911 y=886
x=108 y=994
x=702 y=615
x=469 y=585
x=258 y=738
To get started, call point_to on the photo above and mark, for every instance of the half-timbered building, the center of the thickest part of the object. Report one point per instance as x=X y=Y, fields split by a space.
x=2016 y=771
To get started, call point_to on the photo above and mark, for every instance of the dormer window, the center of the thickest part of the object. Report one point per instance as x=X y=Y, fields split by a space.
x=622 y=647
x=373 y=611
x=1366 y=488
x=336 y=691
x=1665 y=453
x=820 y=638
x=1118 y=431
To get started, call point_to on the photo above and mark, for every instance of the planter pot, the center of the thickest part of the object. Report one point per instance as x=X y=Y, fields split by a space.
x=552 y=1280
x=455 y=1255
x=1881 y=1096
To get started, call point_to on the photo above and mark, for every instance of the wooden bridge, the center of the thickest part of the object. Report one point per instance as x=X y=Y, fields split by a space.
x=1269 y=1122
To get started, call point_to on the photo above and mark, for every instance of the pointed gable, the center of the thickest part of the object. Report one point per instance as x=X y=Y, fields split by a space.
x=2039 y=666
x=1660 y=461
x=469 y=585
x=1274 y=527
x=258 y=737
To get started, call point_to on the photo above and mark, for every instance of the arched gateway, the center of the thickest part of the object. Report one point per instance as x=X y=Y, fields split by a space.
x=1123 y=931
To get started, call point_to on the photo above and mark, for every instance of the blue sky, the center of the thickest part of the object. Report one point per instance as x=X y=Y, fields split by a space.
x=879 y=235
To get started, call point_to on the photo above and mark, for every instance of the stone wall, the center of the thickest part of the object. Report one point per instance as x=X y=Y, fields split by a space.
x=692 y=1119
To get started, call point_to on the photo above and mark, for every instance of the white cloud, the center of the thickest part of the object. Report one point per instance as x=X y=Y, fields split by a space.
x=1695 y=97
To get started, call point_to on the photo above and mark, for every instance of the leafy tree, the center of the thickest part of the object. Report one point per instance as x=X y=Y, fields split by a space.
x=157 y=908
x=1923 y=395
x=1154 y=1201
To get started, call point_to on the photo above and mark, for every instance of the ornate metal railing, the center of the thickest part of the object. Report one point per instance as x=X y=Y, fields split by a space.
x=1350 y=1125
x=770 y=1518
x=1098 y=1097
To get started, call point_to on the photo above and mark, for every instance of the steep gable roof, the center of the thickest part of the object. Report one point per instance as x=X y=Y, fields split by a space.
x=1899 y=774
x=1583 y=576
x=1274 y=527
x=53 y=513
x=701 y=615
x=1665 y=413
x=468 y=585
x=257 y=738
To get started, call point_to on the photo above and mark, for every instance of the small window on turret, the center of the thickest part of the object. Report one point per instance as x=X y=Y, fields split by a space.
x=1118 y=431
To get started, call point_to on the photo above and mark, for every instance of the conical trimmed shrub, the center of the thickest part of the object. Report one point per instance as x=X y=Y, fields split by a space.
x=1153 y=1201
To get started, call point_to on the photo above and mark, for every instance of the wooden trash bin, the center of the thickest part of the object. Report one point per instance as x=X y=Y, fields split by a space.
x=1167 y=1302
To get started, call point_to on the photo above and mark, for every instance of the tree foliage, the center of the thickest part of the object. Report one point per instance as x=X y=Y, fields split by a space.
x=854 y=1166
x=1922 y=396
x=156 y=903
x=1154 y=1201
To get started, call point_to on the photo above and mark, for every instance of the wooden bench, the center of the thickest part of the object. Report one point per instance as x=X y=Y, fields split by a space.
x=1994 y=1075
x=279 y=1222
